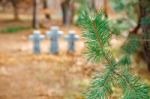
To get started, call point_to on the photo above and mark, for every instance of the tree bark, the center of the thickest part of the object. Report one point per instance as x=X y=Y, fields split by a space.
x=105 y=8
x=145 y=25
x=46 y=7
x=67 y=11
x=138 y=26
x=92 y=5
x=35 y=22
x=2 y=4
x=15 y=7
x=136 y=29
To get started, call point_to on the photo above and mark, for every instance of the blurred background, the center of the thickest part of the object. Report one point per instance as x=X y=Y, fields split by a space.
x=24 y=75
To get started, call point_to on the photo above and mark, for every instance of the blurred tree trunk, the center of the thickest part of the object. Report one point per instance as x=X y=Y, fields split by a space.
x=2 y=4
x=139 y=19
x=64 y=7
x=35 y=14
x=46 y=7
x=15 y=7
x=105 y=8
x=136 y=29
x=145 y=25
x=92 y=5
x=68 y=11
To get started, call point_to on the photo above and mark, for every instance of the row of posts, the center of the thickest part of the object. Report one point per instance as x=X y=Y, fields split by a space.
x=53 y=35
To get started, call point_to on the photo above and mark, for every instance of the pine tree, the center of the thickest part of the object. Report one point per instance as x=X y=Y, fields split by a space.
x=145 y=25
x=117 y=73
x=137 y=11
x=131 y=14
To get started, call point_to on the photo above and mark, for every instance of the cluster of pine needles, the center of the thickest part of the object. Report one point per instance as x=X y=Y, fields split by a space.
x=97 y=34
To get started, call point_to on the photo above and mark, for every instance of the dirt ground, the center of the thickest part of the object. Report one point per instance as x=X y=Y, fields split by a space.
x=24 y=75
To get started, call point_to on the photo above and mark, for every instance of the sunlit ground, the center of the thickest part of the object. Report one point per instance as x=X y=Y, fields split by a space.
x=24 y=75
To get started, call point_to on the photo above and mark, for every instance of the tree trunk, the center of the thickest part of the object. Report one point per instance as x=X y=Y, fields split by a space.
x=35 y=14
x=145 y=25
x=46 y=7
x=15 y=7
x=136 y=29
x=2 y=4
x=105 y=8
x=68 y=12
x=138 y=26
x=92 y=5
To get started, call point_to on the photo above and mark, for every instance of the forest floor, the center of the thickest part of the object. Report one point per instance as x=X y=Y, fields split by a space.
x=24 y=75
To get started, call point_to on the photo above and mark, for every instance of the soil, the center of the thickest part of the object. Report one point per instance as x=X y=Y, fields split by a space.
x=24 y=75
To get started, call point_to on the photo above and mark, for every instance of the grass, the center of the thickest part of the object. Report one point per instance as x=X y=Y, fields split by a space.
x=14 y=29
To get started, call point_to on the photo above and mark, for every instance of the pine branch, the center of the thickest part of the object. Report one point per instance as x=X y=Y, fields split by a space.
x=97 y=35
x=109 y=59
x=132 y=87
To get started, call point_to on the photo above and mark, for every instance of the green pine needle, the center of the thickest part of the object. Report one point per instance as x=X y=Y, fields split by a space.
x=97 y=35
